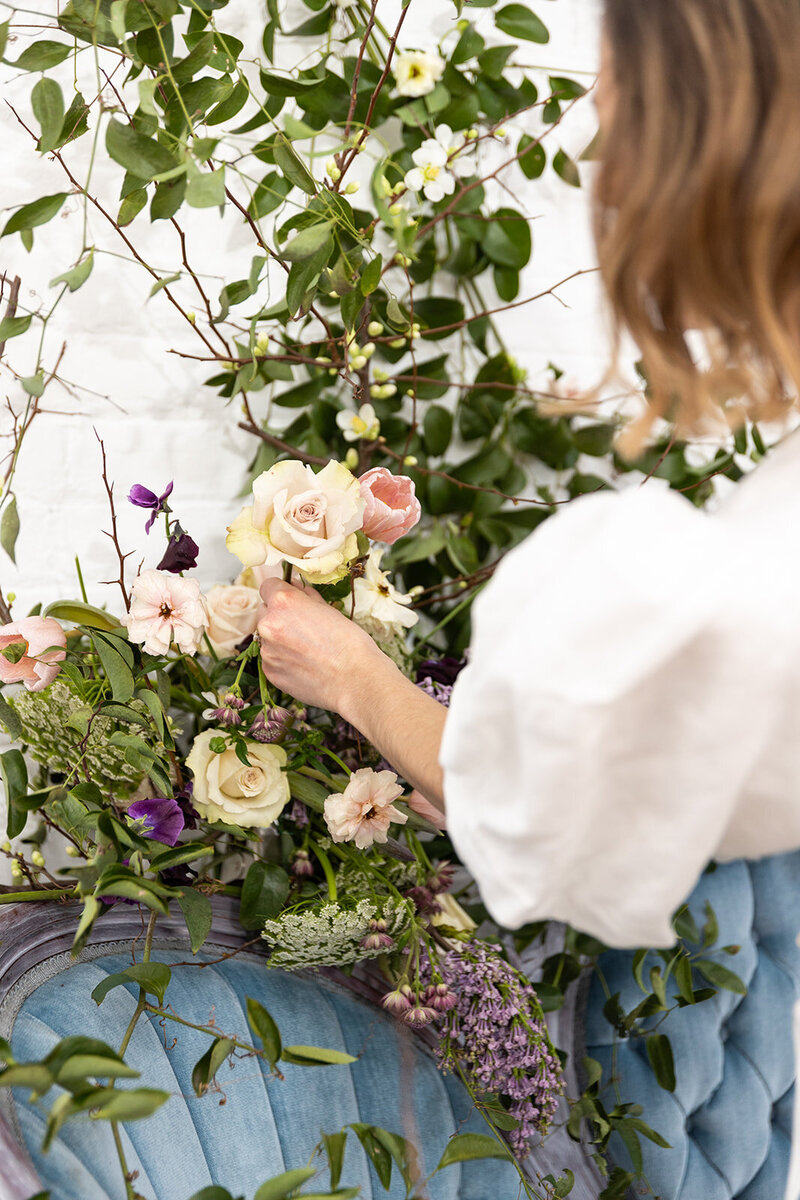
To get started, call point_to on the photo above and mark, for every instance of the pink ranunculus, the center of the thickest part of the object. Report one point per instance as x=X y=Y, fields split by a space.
x=166 y=608
x=392 y=505
x=363 y=812
x=31 y=652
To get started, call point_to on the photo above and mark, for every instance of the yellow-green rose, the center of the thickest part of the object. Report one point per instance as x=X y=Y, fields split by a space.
x=303 y=518
x=226 y=790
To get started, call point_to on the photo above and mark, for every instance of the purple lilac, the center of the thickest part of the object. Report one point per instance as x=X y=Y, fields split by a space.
x=159 y=819
x=142 y=497
x=496 y=1031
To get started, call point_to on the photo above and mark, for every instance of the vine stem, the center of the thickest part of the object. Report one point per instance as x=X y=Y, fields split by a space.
x=137 y=1012
x=40 y=894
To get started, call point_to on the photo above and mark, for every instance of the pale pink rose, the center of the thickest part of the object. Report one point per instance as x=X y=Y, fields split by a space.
x=232 y=616
x=166 y=608
x=363 y=812
x=392 y=505
x=42 y=643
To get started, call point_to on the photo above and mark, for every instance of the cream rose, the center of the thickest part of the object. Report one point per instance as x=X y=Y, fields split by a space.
x=307 y=519
x=232 y=616
x=226 y=790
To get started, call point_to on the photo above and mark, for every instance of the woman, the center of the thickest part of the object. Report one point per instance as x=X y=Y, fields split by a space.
x=631 y=708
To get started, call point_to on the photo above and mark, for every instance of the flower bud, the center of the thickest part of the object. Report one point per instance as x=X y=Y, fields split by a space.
x=398 y=188
x=395 y=210
x=397 y=343
x=352 y=188
x=397 y=1002
x=333 y=370
x=402 y=260
x=302 y=866
x=388 y=390
x=368 y=350
x=374 y=328
x=380 y=375
x=471 y=133
x=72 y=851
x=191 y=316
x=358 y=361
x=37 y=858
x=501 y=132
x=7 y=846
x=16 y=871
x=262 y=341
x=411 y=393
x=333 y=171
x=410 y=460
x=351 y=459
x=419 y=1015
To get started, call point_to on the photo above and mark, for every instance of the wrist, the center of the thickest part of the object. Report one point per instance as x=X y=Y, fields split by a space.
x=369 y=677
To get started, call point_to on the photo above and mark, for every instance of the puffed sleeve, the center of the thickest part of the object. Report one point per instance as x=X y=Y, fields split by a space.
x=614 y=707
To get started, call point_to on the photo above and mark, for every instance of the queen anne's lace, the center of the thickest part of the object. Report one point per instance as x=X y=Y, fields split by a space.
x=331 y=935
x=46 y=729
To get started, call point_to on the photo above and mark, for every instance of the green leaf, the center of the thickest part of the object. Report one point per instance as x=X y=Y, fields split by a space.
x=14 y=774
x=659 y=1051
x=649 y=1133
x=81 y=1066
x=206 y=1067
x=230 y=106
x=38 y=212
x=76 y=275
x=564 y=166
x=371 y=275
x=9 y=528
x=292 y=167
x=269 y=194
x=138 y=890
x=263 y=1027
x=264 y=892
x=116 y=669
x=132 y=1104
x=13 y=326
x=307 y=242
x=30 y=1075
x=198 y=915
x=82 y=614
x=507 y=240
x=40 y=56
x=315 y=1056
x=47 y=101
x=377 y=1153
x=334 y=1148
x=518 y=21
x=131 y=206
x=437 y=429
x=3 y=38
x=212 y=1193
x=91 y=911
x=144 y=157
x=152 y=977
x=282 y=1185
x=631 y=1142
x=206 y=189
x=165 y=281
x=465 y=1146
x=721 y=976
x=10 y=719
x=532 y=160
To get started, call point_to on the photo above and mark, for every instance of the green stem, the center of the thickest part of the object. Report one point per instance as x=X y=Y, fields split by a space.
x=44 y=894
x=325 y=863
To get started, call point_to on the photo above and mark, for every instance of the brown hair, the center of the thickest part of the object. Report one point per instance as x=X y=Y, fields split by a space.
x=697 y=202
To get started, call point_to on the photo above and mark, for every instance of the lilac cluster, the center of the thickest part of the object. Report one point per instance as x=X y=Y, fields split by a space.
x=496 y=1033
x=436 y=677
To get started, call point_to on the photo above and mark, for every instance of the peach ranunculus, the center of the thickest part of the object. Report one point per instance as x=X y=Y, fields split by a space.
x=31 y=652
x=232 y=616
x=303 y=518
x=228 y=791
x=363 y=812
x=392 y=507
x=166 y=608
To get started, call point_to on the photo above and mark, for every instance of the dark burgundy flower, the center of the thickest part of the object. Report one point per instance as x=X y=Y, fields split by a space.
x=228 y=712
x=159 y=819
x=181 y=552
x=424 y=900
x=441 y=879
x=142 y=497
x=440 y=670
x=183 y=799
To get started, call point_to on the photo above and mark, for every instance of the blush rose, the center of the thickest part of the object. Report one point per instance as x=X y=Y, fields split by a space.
x=392 y=507
x=232 y=616
x=31 y=652
x=363 y=812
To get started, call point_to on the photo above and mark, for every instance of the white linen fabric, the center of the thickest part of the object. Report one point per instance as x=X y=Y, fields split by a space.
x=631 y=708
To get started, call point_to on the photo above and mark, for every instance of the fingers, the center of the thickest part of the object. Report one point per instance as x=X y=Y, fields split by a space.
x=271 y=588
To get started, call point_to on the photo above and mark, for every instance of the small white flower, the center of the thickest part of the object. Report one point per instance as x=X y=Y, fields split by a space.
x=437 y=164
x=379 y=607
x=361 y=425
x=417 y=72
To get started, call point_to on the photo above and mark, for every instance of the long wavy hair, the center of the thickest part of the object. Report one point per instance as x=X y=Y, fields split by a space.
x=697 y=203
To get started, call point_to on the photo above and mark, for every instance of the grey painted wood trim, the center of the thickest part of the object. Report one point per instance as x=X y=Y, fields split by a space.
x=31 y=934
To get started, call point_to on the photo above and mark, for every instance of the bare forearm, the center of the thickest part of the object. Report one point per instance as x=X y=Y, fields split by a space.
x=404 y=723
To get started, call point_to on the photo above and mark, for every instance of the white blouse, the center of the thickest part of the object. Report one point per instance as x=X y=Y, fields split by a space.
x=631 y=707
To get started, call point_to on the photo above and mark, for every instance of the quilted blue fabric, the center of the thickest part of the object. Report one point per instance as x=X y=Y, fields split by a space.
x=257 y=1127
x=729 y=1119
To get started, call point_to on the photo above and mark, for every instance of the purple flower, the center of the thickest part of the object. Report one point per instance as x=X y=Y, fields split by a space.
x=160 y=819
x=269 y=724
x=440 y=670
x=142 y=497
x=228 y=713
x=181 y=552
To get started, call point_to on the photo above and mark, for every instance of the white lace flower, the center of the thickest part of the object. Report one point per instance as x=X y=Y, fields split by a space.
x=438 y=163
x=417 y=72
x=379 y=608
x=363 y=424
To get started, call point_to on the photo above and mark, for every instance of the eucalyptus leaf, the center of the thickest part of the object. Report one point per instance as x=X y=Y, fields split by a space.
x=9 y=527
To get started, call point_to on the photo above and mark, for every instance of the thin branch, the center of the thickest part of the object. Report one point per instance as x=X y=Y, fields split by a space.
x=113 y=534
x=11 y=307
x=5 y=611
x=271 y=440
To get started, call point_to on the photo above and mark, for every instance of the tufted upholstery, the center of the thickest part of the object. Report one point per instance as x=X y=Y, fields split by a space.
x=729 y=1119
x=265 y=1126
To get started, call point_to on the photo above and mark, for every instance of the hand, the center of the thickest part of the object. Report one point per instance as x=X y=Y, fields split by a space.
x=310 y=649
x=419 y=804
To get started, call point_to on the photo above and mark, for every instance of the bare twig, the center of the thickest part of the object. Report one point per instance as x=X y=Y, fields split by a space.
x=121 y=557
x=11 y=307
x=5 y=611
